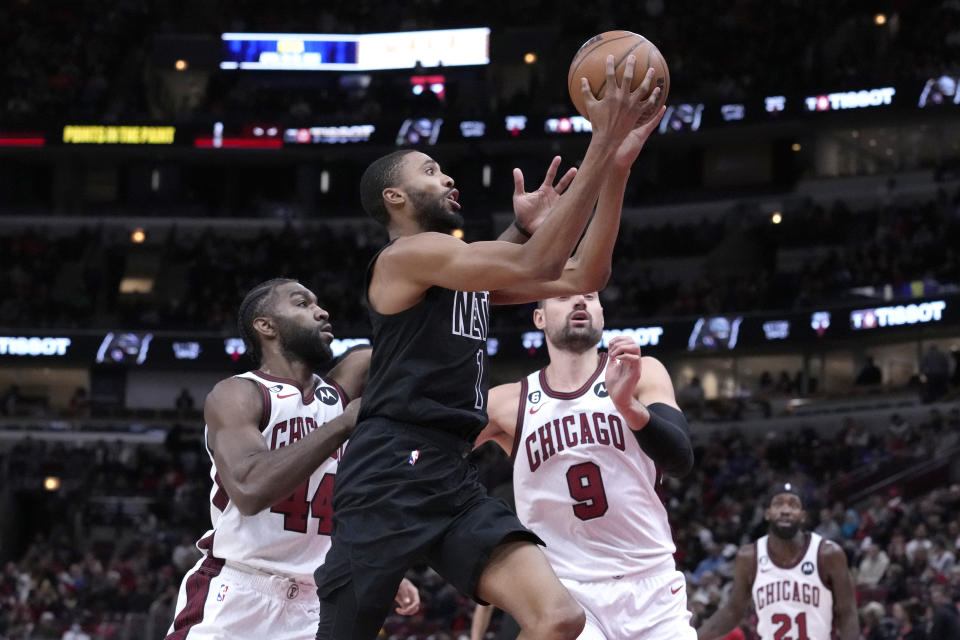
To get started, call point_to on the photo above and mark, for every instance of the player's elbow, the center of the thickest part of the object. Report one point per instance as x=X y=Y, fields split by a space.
x=545 y=269
x=596 y=279
x=248 y=503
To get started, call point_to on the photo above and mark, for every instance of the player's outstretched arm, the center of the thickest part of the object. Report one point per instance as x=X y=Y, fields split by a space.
x=503 y=402
x=649 y=406
x=731 y=611
x=435 y=259
x=833 y=561
x=590 y=267
x=351 y=372
x=253 y=476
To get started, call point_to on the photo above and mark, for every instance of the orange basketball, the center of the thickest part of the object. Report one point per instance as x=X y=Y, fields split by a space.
x=590 y=62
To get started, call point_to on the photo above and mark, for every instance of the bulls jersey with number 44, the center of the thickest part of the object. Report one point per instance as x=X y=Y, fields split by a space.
x=292 y=537
x=597 y=508
x=792 y=602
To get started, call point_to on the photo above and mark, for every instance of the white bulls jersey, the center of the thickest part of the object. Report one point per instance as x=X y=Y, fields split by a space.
x=792 y=602
x=292 y=537
x=584 y=485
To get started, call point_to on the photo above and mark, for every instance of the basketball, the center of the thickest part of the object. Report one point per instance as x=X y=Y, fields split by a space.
x=590 y=62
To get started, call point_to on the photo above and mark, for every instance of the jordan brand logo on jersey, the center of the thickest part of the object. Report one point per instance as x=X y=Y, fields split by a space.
x=601 y=389
x=328 y=396
x=471 y=314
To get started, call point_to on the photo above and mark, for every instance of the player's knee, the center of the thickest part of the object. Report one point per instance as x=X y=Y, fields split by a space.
x=564 y=622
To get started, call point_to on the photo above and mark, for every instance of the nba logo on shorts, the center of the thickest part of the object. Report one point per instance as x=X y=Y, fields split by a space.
x=414 y=456
x=223 y=593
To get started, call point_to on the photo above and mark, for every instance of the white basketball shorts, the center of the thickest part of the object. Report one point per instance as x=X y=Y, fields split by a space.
x=218 y=601
x=650 y=608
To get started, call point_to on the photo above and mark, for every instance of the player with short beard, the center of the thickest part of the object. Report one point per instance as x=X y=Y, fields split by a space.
x=406 y=491
x=589 y=435
x=800 y=584
x=274 y=436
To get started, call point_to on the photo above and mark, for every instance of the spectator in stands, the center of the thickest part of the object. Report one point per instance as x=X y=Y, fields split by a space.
x=874 y=624
x=941 y=558
x=829 y=528
x=945 y=620
x=935 y=369
x=872 y=566
x=908 y=617
x=79 y=403
x=185 y=554
x=920 y=540
x=10 y=400
x=184 y=403
x=691 y=398
x=870 y=374
x=711 y=563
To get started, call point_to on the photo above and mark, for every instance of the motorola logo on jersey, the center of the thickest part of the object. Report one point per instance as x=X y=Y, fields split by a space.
x=807 y=568
x=328 y=396
x=534 y=397
x=601 y=390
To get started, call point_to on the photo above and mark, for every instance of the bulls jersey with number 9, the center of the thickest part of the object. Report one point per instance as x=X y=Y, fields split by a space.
x=584 y=485
x=792 y=603
x=292 y=537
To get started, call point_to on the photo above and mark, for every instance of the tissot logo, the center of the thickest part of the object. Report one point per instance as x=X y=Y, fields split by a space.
x=328 y=396
x=23 y=346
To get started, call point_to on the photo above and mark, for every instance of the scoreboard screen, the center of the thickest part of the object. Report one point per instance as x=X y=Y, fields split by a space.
x=359 y=52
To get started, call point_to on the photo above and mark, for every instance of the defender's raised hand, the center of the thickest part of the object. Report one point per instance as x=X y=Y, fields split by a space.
x=623 y=371
x=531 y=208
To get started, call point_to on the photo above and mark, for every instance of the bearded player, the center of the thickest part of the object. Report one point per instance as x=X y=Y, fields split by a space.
x=588 y=435
x=800 y=584
x=274 y=436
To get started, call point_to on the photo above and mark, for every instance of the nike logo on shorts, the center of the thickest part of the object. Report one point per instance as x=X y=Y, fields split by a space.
x=677 y=590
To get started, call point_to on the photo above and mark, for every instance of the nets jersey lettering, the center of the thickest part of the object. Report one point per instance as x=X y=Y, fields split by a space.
x=471 y=314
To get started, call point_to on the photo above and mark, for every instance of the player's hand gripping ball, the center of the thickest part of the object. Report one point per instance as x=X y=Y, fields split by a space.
x=590 y=63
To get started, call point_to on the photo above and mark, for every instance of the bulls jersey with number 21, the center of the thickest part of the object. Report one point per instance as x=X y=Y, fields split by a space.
x=292 y=537
x=582 y=482
x=792 y=603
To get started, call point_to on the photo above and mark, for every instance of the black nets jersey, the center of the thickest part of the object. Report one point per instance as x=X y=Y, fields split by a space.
x=429 y=362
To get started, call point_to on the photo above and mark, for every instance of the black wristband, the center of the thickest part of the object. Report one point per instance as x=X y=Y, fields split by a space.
x=521 y=229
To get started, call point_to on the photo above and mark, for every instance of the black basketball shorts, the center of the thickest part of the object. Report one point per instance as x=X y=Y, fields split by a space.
x=405 y=495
